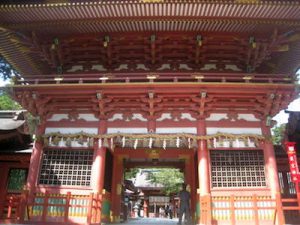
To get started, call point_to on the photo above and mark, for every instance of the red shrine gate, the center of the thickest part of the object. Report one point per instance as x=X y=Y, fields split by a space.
x=197 y=80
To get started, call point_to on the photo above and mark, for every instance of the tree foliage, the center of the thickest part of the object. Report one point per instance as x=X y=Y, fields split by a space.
x=131 y=173
x=6 y=70
x=170 y=179
x=6 y=103
x=278 y=134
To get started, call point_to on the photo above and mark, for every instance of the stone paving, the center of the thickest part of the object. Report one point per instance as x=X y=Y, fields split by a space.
x=150 y=221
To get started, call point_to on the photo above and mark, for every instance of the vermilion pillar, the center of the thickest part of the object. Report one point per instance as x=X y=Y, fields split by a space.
x=35 y=160
x=203 y=161
x=98 y=172
x=272 y=173
x=117 y=187
x=145 y=206
x=204 y=177
x=193 y=184
x=99 y=160
x=270 y=162
x=189 y=175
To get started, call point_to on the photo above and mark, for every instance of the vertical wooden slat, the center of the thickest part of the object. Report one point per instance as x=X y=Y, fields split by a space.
x=67 y=206
x=279 y=209
x=90 y=207
x=209 y=210
x=45 y=207
x=9 y=207
x=99 y=204
x=255 y=209
x=232 y=210
x=22 y=207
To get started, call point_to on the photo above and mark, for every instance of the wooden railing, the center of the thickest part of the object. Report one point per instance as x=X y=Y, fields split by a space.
x=46 y=207
x=291 y=209
x=10 y=207
x=241 y=209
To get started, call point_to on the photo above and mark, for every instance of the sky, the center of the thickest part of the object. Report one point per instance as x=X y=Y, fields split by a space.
x=280 y=118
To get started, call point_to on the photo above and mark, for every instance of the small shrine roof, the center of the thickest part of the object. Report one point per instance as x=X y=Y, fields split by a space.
x=13 y=138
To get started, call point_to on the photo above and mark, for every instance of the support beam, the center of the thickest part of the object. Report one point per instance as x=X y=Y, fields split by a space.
x=117 y=188
x=203 y=174
x=35 y=161
x=99 y=165
x=271 y=170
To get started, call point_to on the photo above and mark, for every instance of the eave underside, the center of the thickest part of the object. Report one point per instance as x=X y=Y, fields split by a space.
x=151 y=100
x=110 y=36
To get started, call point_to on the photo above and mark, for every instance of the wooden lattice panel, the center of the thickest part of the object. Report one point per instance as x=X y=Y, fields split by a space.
x=232 y=168
x=66 y=167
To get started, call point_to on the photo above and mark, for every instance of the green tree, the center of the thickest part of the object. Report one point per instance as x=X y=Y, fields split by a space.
x=131 y=173
x=278 y=134
x=171 y=179
x=6 y=70
x=6 y=103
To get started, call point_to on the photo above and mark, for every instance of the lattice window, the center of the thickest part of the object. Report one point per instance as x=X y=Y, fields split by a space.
x=16 y=180
x=281 y=182
x=291 y=185
x=232 y=168
x=66 y=167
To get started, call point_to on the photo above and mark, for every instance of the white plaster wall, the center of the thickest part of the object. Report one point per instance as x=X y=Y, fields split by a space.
x=187 y=116
x=234 y=144
x=138 y=116
x=117 y=116
x=88 y=117
x=214 y=130
x=164 y=116
x=71 y=130
x=127 y=130
x=62 y=143
x=84 y=116
x=247 y=117
x=216 y=116
x=58 y=117
x=173 y=130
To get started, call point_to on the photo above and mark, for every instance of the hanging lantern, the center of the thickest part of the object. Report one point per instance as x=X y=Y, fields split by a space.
x=230 y=143
x=189 y=142
x=111 y=142
x=135 y=143
x=177 y=142
x=91 y=142
x=144 y=143
x=157 y=142
x=68 y=142
x=237 y=143
x=172 y=142
x=214 y=143
x=248 y=142
x=50 y=140
x=123 y=142
x=46 y=142
x=80 y=140
x=105 y=143
x=61 y=142
x=256 y=143
x=56 y=140
x=100 y=143
x=164 y=144
x=221 y=142
x=252 y=42
x=150 y=142
x=199 y=40
x=118 y=139
x=195 y=143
